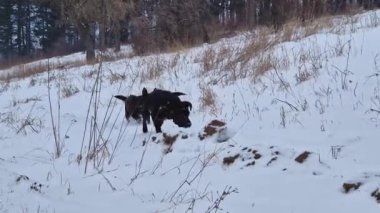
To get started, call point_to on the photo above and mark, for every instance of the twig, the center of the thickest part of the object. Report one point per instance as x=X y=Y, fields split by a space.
x=178 y=166
x=56 y=139
x=138 y=173
x=189 y=181
x=216 y=205
x=108 y=181
x=289 y=104
x=375 y=110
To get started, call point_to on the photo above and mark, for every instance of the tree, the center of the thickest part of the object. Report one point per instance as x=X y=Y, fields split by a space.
x=45 y=28
x=86 y=14
x=181 y=22
x=6 y=28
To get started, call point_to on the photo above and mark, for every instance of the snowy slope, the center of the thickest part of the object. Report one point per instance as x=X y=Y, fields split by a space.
x=320 y=95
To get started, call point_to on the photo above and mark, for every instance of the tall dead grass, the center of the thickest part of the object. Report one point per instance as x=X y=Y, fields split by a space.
x=22 y=71
x=207 y=99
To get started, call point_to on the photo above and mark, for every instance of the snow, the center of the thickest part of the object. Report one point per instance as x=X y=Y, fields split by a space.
x=328 y=114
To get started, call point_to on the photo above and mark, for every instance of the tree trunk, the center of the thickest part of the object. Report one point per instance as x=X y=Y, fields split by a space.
x=102 y=27
x=88 y=40
x=117 y=32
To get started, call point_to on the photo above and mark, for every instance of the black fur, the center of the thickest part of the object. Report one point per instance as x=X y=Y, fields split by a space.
x=133 y=106
x=161 y=105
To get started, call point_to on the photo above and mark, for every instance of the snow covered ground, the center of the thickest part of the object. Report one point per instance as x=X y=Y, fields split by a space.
x=320 y=96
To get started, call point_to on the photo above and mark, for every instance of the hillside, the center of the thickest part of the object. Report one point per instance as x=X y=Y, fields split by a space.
x=301 y=110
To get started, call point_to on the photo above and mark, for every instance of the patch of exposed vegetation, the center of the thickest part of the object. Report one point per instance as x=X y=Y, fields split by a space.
x=347 y=187
x=302 y=157
x=210 y=129
x=230 y=160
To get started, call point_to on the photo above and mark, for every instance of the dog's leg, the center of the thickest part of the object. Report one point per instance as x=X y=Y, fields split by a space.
x=127 y=114
x=156 y=120
x=157 y=124
x=145 y=120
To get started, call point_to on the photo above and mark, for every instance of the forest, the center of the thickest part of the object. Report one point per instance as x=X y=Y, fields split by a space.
x=32 y=29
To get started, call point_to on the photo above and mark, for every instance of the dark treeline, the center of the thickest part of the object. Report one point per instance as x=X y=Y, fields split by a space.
x=41 y=28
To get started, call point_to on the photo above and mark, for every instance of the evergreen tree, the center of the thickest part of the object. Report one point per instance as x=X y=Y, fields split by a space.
x=6 y=28
x=46 y=29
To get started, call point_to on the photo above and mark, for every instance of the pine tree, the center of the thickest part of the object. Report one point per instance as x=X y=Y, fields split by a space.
x=6 y=28
x=46 y=29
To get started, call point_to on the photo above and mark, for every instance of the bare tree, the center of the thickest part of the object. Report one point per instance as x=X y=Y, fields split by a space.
x=86 y=14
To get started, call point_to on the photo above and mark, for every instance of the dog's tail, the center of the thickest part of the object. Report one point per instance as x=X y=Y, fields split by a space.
x=178 y=93
x=121 y=97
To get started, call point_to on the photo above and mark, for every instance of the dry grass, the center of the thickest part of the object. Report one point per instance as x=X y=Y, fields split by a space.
x=217 y=61
x=263 y=64
x=209 y=60
x=69 y=90
x=302 y=76
x=23 y=71
x=289 y=31
x=114 y=77
x=175 y=61
x=207 y=99
x=177 y=47
x=374 y=20
x=152 y=68
x=258 y=44
x=112 y=56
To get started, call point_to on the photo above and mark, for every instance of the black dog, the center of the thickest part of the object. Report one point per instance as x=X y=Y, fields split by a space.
x=162 y=105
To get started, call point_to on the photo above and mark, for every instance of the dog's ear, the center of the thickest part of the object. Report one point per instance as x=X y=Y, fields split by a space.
x=187 y=104
x=144 y=92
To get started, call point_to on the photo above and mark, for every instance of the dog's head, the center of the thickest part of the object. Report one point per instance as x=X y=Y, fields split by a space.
x=178 y=112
